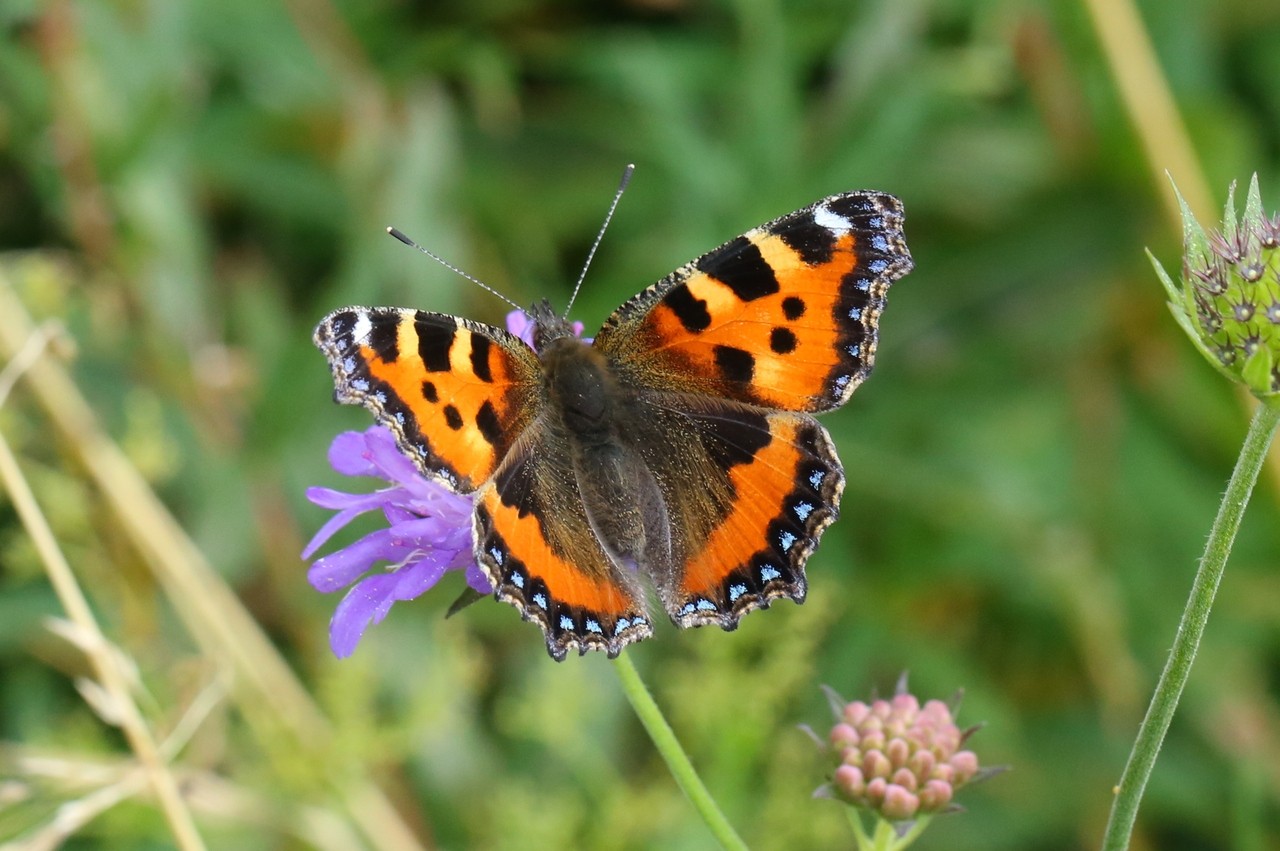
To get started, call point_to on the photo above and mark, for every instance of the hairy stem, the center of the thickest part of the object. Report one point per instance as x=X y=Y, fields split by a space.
x=1164 y=702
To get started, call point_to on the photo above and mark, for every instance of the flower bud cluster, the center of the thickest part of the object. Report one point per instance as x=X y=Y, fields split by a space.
x=898 y=759
x=1229 y=301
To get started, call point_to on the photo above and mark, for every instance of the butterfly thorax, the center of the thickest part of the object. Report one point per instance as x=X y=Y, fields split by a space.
x=582 y=390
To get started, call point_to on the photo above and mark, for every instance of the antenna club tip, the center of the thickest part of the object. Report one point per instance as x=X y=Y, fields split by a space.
x=398 y=235
x=626 y=176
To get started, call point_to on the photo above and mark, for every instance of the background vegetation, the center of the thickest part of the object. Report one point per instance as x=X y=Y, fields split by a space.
x=189 y=187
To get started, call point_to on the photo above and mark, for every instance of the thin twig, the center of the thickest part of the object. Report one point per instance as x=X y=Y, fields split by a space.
x=1164 y=702
x=664 y=739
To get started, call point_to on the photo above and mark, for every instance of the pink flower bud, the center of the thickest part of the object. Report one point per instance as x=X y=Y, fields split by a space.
x=935 y=795
x=843 y=735
x=876 y=788
x=873 y=739
x=923 y=763
x=898 y=758
x=848 y=780
x=898 y=752
x=965 y=764
x=855 y=713
x=876 y=764
x=899 y=804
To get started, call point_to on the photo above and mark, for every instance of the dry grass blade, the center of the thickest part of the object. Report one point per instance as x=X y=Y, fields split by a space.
x=264 y=688
x=114 y=682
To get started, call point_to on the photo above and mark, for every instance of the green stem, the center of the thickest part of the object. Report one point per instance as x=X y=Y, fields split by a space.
x=913 y=834
x=665 y=741
x=886 y=836
x=1142 y=758
x=863 y=841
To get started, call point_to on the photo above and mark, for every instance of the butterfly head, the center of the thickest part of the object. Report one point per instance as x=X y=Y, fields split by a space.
x=548 y=325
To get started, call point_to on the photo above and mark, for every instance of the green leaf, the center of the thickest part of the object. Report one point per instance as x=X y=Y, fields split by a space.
x=1176 y=296
x=1195 y=243
x=1229 y=214
x=1253 y=206
x=1191 y=330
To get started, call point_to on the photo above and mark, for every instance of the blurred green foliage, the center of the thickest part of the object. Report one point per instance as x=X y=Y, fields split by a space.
x=1032 y=469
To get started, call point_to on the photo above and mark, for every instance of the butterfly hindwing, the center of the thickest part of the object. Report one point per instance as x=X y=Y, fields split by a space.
x=784 y=316
x=750 y=492
x=535 y=543
x=455 y=393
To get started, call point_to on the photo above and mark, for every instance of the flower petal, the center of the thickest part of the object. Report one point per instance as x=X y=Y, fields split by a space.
x=476 y=578
x=348 y=564
x=521 y=324
x=369 y=601
x=331 y=526
x=348 y=454
x=393 y=465
x=428 y=533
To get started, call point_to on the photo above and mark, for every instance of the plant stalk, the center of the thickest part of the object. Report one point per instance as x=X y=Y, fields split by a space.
x=1177 y=670
x=664 y=739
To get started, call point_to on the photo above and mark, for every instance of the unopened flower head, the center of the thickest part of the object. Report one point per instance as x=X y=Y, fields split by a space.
x=896 y=758
x=1229 y=301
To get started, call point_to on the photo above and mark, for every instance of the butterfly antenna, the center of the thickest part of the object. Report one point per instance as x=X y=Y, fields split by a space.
x=617 y=196
x=436 y=257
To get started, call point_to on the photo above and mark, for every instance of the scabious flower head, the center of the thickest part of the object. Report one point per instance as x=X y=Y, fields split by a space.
x=428 y=531
x=1229 y=299
x=897 y=759
x=428 y=534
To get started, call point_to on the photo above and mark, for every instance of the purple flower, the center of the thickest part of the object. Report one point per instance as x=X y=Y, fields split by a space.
x=521 y=324
x=429 y=533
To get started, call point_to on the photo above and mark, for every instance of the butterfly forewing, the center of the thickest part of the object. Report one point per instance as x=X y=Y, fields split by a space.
x=784 y=316
x=455 y=393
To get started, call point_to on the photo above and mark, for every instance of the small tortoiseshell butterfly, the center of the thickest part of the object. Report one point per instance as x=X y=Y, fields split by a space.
x=678 y=445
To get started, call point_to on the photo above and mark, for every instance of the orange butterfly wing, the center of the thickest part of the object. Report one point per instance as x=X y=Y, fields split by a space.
x=783 y=317
x=749 y=492
x=535 y=543
x=456 y=394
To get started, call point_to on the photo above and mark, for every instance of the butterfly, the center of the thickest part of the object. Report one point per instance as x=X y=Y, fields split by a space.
x=676 y=450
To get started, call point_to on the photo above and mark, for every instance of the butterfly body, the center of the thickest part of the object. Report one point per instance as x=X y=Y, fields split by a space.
x=675 y=451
